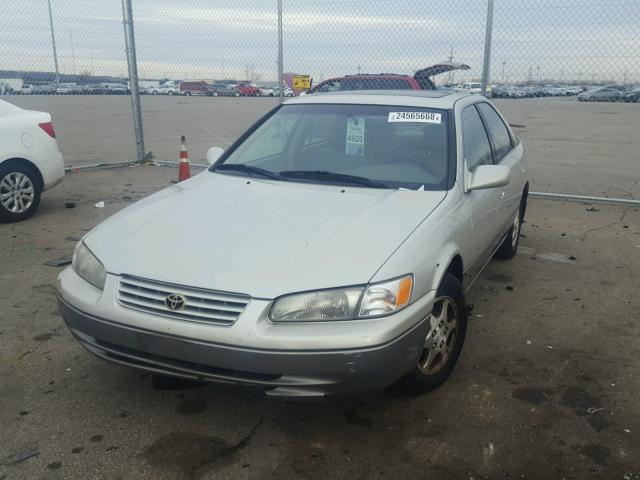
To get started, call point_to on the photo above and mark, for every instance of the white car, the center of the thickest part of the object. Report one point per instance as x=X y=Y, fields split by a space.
x=474 y=88
x=168 y=89
x=267 y=92
x=347 y=228
x=30 y=161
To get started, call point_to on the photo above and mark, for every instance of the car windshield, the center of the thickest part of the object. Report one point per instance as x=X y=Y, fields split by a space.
x=360 y=145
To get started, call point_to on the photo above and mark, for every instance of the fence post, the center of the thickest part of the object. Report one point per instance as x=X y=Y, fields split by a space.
x=486 y=67
x=280 y=53
x=127 y=17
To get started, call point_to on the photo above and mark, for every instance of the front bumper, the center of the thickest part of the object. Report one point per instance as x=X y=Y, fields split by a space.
x=289 y=374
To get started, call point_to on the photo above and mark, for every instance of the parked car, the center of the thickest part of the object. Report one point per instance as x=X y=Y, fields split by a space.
x=169 y=89
x=68 y=89
x=106 y=89
x=267 y=92
x=632 y=96
x=572 y=90
x=30 y=161
x=367 y=191
x=220 y=89
x=26 y=90
x=499 y=91
x=516 y=92
x=388 y=81
x=43 y=89
x=194 y=88
x=551 y=91
x=116 y=88
x=286 y=92
x=602 y=94
x=247 y=89
x=473 y=87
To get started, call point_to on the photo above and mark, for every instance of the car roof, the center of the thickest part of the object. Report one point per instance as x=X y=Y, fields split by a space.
x=444 y=99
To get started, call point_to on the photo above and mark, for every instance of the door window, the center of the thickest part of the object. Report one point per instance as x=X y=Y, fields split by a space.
x=477 y=150
x=498 y=132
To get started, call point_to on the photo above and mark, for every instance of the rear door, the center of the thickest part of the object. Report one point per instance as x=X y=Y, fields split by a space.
x=508 y=152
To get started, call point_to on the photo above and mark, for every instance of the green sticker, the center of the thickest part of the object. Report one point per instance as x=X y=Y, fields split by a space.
x=355 y=136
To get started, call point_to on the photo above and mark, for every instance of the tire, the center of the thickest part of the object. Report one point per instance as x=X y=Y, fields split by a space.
x=237 y=94
x=18 y=175
x=448 y=327
x=215 y=94
x=509 y=246
x=187 y=94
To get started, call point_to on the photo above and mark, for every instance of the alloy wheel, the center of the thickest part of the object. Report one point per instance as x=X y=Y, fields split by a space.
x=441 y=337
x=515 y=231
x=16 y=192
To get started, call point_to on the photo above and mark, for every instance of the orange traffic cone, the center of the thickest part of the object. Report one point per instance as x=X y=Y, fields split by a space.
x=184 y=171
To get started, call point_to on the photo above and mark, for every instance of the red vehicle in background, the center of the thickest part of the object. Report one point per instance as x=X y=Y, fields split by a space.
x=421 y=80
x=246 y=89
x=194 y=88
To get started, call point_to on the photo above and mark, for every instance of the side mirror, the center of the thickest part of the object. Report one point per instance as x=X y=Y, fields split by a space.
x=214 y=154
x=489 y=176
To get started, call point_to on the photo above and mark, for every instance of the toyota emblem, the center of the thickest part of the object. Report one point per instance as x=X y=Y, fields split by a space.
x=175 y=302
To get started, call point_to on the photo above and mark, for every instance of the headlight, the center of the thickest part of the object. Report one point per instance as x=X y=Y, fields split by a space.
x=386 y=298
x=344 y=303
x=88 y=266
x=337 y=304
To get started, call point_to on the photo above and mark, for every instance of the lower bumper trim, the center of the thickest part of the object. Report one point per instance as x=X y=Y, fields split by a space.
x=284 y=374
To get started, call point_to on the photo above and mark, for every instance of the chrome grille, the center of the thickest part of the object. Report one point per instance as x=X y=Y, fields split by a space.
x=206 y=306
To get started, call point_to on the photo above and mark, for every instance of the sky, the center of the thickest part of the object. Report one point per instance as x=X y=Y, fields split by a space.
x=567 y=40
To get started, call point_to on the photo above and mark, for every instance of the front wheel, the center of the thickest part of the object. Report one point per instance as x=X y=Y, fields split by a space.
x=444 y=339
x=19 y=192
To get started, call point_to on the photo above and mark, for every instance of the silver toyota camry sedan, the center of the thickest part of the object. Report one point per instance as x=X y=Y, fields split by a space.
x=326 y=252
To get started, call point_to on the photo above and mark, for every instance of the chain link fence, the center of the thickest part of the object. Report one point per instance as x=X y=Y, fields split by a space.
x=89 y=46
x=209 y=68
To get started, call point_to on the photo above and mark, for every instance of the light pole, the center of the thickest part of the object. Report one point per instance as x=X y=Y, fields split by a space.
x=504 y=62
x=53 y=43
x=487 y=48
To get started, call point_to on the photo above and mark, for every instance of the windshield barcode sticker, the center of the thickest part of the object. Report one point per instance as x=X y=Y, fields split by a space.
x=424 y=117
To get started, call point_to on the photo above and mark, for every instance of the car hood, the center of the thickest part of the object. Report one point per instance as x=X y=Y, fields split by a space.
x=259 y=237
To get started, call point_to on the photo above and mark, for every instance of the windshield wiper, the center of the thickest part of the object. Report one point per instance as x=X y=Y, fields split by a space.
x=333 y=177
x=243 y=168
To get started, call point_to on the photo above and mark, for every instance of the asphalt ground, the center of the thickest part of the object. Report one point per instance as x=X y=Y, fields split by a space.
x=547 y=385
x=575 y=148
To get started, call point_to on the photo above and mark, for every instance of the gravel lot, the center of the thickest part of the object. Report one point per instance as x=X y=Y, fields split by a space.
x=578 y=148
x=547 y=386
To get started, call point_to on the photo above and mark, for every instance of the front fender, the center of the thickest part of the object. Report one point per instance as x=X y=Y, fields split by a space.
x=429 y=250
